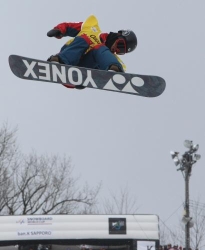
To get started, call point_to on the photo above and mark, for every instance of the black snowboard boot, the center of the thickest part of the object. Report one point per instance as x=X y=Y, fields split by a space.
x=53 y=58
x=114 y=68
x=56 y=59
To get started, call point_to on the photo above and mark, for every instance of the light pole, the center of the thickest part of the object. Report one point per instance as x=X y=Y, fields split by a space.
x=185 y=163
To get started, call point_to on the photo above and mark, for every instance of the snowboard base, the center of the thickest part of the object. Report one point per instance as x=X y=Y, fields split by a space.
x=134 y=84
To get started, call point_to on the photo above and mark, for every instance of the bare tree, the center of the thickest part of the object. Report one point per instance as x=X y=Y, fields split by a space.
x=198 y=229
x=169 y=236
x=197 y=232
x=121 y=203
x=39 y=184
x=46 y=185
x=9 y=161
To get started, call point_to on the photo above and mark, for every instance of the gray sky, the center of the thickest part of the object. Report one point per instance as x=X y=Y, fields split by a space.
x=115 y=138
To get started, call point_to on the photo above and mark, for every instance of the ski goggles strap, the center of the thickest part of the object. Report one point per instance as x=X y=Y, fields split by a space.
x=119 y=46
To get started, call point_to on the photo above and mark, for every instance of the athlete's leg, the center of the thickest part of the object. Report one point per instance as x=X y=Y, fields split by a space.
x=88 y=61
x=101 y=58
x=105 y=59
x=70 y=54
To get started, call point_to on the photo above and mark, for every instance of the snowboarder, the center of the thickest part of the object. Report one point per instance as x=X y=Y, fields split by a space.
x=87 y=59
x=90 y=48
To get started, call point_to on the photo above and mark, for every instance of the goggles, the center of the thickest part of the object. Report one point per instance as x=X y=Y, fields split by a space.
x=119 y=47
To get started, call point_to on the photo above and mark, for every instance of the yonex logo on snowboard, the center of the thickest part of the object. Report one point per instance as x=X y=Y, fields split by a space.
x=50 y=72
x=55 y=73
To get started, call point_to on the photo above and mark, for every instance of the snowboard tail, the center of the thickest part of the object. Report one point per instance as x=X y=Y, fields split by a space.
x=134 y=84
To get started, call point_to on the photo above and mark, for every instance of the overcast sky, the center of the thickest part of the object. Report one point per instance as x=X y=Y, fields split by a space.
x=115 y=138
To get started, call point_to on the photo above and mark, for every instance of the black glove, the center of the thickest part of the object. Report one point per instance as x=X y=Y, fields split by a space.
x=54 y=32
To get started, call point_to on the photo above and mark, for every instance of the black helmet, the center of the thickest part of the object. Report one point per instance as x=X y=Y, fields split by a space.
x=130 y=38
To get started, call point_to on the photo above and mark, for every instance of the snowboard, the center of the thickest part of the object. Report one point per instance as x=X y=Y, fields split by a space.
x=67 y=75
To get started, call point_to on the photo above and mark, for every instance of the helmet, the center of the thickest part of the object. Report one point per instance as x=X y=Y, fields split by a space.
x=130 y=39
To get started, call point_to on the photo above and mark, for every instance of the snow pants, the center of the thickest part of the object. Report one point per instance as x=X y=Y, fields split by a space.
x=99 y=57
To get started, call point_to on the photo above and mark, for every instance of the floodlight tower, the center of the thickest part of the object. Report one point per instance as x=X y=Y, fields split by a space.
x=185 y=163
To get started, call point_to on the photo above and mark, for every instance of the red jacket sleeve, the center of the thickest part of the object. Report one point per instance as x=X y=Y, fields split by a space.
x=69 y=29
x=103 y=37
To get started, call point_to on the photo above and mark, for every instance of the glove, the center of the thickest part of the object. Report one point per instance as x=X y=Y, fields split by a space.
x=54 y=32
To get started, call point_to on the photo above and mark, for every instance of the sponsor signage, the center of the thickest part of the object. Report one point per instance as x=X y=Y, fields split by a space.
x=117 y=226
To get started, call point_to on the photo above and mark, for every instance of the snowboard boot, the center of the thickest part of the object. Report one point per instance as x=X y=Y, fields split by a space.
x=56 y=59
x=53 y=58
x=79 y=87
x=114 y=68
